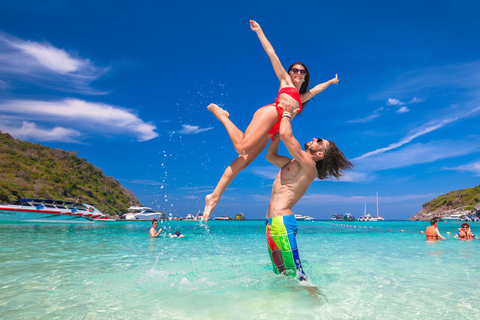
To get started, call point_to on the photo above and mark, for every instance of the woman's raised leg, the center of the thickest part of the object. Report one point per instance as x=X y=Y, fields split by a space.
x=258 y=128
x=229 y=174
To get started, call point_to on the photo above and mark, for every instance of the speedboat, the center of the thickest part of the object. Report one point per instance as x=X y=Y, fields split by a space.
x=42 y=210
x=453 y=217
x=308 y=218
x=348 y=217
x=299 y=217
x=222 y=218
x=337 y=217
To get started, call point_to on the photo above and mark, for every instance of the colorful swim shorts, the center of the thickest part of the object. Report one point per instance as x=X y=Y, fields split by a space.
x=282 y=246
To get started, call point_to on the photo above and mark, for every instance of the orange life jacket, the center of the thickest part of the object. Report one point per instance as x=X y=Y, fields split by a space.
x=431 y=233
x=465 y=235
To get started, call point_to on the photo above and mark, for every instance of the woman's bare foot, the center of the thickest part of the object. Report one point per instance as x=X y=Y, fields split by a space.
x=217 y=111
x=210 y=204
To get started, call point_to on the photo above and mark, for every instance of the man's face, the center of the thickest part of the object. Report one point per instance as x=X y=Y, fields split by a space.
x=317 y=144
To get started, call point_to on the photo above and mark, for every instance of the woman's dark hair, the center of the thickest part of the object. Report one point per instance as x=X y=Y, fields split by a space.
x=304 y=87
x=333 y=163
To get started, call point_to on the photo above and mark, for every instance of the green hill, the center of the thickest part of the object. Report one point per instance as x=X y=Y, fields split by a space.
x=29 y=170
x=468 y=198
x=464 y=200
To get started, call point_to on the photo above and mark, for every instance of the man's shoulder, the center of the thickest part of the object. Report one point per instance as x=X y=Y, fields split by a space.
x=309 y=167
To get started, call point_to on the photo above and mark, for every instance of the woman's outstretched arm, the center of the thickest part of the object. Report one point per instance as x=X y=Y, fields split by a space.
x=319 y=88
x=282 y=75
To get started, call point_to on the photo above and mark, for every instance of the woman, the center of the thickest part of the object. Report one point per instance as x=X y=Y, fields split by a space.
x=266 y=120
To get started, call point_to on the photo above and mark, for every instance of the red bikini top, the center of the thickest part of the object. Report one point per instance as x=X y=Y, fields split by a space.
x=292 y=92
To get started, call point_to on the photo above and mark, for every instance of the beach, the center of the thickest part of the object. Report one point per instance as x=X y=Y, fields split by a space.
x=221 y=270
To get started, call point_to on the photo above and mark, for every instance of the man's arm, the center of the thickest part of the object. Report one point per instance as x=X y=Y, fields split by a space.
x=272 y=154
x=290 y=142
x=437 y=233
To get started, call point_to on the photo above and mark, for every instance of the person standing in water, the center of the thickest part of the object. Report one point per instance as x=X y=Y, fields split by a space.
x=153 y=230
x=266 y=120
x=322 y=159
x=432 y=232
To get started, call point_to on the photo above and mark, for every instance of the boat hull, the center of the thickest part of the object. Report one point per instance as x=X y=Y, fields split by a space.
x=18 y=215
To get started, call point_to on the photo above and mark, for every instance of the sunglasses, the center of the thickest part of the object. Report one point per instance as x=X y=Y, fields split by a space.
x=302 y=71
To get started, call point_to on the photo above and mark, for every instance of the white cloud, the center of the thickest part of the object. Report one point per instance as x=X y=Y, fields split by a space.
x=3 y=85
x=472 y=167
x=402 y=110
x=354 y=176
x=365 y=119
x=45 y=65
x=420 y=131
x=145 y=182
x=269 y=172
x=394 y=102
x=430 y=79
x=319 y=198
x=30 y=130
x=415 y=100
x=87 y=117
x=49 y=57
x=417 y=154
x=188 y=129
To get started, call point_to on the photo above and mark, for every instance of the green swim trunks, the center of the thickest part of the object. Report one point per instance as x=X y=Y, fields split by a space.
x=282 y=246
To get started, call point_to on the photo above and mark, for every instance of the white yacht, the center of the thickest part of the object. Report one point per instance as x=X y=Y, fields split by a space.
x=143 y=213
x=308 y=218
x=299 y=217
x=222 y=218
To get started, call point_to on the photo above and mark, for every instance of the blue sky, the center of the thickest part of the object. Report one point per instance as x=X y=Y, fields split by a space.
x=126 y=85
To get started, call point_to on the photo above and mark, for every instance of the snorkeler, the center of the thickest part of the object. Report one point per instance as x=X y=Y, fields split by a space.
x=266 y=120
x=177 y=234
x=321 y=159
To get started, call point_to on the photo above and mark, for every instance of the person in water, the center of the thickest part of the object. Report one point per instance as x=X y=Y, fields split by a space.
x=465 y=233
x=266 y=120
x=432 y=232
x=153 y=230
x=322 y=159
x=177 y=234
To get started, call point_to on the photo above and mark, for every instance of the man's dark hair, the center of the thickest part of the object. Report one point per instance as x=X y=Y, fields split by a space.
x=333 y=163
x=434 y=220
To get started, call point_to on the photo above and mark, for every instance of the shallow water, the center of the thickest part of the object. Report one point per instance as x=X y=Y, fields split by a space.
x=222 y=271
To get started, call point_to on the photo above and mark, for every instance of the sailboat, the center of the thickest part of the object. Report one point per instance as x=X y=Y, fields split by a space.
x=378 y=217
x=368 y=216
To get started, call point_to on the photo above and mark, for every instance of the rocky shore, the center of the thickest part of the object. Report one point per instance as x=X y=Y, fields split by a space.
x=444 y=211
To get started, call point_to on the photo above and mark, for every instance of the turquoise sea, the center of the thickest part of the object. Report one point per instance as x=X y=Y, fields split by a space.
x=221 y=270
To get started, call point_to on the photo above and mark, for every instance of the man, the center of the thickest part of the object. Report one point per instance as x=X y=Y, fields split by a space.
x=432 y=232
x=153 y=230
x=321 y=158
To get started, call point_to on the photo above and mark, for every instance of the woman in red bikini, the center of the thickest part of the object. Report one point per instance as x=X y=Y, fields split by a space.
x=266 y=120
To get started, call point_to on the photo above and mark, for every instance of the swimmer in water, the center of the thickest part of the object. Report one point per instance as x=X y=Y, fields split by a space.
x=266 y=120
x=177 y=234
